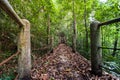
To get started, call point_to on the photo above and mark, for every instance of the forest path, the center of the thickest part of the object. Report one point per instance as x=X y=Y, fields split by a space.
x=63 y=64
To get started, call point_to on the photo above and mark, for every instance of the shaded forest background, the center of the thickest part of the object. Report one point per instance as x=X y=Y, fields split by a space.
x=50 y=17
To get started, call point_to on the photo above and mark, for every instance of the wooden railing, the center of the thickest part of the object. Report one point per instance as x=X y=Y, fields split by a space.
x=96 y=48
x=24 y=46
x=8 y=59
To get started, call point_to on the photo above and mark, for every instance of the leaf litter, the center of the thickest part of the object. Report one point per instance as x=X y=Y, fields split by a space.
x=63 y=64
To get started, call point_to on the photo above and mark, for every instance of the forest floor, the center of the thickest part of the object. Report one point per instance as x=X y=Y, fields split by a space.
x=63 y=64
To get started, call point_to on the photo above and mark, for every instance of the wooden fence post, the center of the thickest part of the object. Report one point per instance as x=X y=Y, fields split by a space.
x=24 y=46
x=96 y=52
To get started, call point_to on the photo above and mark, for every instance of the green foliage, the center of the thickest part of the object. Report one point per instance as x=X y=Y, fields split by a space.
x=112 y=67
x=104 y=12
x=7 y=76
x=61 y=20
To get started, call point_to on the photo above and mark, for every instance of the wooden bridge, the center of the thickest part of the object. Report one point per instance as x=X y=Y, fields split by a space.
x=63 y=55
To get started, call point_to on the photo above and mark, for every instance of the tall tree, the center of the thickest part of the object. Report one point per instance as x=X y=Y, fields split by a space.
x=116 y=40
x=116 y=33
x=85 y=23
x=48 y=29
x=74 y=27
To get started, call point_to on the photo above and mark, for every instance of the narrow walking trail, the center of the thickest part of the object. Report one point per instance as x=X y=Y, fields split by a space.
x=63 y=64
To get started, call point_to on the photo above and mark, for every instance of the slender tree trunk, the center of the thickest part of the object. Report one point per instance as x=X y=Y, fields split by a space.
x=86 y=30
x=74 y=29
x=116 y=41
x=0 y=46
x=51 y=42
x=103 y=39
x=48 y=30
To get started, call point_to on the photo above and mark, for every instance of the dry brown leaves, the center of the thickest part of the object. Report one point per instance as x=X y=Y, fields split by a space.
x=9 y=67
x=63 y=64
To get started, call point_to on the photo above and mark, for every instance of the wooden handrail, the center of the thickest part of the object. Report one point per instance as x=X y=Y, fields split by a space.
x=5 y=5
x=109 y=22
x=24 y=61
x=8 y=59
x=96 y=51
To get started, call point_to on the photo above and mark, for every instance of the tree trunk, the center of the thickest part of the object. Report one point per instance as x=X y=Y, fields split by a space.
x=24 y=46
x=74 y=29
x=86 y=30
x=0 y=46
x=116 y=41
x=96 y=53
x=48 y=30
x=51 y=42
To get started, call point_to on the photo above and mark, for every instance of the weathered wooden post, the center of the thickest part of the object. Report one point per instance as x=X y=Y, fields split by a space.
x=24 y=46
x=96 y=52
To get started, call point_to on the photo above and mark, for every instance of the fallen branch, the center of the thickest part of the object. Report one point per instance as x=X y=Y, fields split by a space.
x=8 y=59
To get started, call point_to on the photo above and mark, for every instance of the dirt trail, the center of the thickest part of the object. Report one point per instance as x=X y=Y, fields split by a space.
x=63 y=64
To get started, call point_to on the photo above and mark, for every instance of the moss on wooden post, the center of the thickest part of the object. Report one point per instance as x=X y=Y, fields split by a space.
x=96 y=53
x=24 y=46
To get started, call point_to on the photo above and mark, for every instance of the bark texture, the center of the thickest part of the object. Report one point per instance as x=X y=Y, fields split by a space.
x=96 y=53
x=74 y=29
x=24 y=46
x=48 y=30
x=86 y=29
